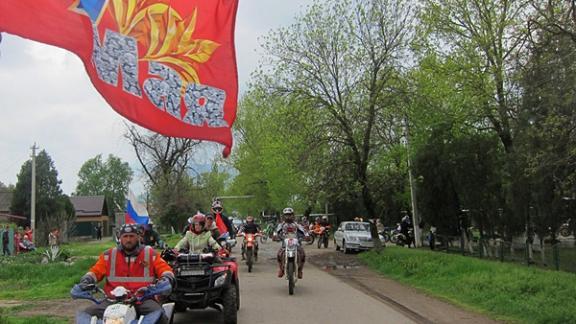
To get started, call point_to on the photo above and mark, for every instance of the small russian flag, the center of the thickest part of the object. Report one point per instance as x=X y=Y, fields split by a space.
x=136 y=213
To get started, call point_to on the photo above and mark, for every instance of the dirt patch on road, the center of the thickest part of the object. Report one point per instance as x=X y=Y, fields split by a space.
x=412 y=302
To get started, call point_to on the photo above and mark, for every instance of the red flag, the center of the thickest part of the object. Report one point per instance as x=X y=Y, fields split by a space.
x=167 y=65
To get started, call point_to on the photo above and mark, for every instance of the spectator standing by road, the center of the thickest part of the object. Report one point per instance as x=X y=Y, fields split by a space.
x=99 y=232
x=5 y=240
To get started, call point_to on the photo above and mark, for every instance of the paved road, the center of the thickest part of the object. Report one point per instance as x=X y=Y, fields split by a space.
x=318 y=298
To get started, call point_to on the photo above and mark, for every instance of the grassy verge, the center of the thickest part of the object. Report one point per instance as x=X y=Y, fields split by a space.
x=34 y=281
x=23 y=277
x=505 y=291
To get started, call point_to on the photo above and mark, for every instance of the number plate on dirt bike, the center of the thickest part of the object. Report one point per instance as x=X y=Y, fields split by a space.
x=192 y=272
x=292 y=244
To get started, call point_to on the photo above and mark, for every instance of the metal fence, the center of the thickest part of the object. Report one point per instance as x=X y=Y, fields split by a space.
x=560 y=255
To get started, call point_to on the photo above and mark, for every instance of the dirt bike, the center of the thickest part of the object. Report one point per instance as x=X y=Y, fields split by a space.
x=402 y=239
x=250 y=248
x=323 y=234
x=290 y=261
x=387 y=233
x=122 y=309
x=311 y=235
x=205 y=280
x=267 y=233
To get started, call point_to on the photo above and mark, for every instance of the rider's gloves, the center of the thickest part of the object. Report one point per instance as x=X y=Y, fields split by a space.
x=162 y=287
x=87 y=282
x=142 y=291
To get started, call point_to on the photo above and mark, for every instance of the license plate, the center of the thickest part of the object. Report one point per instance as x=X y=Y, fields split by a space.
x=192 y=272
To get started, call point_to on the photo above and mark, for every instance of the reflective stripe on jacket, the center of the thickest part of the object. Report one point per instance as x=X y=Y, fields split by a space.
x=131 y=272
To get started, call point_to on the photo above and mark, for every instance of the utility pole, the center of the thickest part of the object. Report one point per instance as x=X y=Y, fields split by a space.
x=415 y=215
x=33 y=195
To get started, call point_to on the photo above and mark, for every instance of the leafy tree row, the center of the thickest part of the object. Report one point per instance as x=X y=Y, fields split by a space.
x=483 y=92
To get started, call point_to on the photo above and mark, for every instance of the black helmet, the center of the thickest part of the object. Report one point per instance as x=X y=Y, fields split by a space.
x=129 y=228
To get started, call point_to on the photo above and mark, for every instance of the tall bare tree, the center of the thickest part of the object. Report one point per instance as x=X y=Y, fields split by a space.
x=166 y=163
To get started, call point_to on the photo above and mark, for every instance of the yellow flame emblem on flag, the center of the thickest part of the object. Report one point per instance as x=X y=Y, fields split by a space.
x=167 y=36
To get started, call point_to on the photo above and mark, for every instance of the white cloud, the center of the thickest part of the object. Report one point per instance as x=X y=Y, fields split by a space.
x=46 y=97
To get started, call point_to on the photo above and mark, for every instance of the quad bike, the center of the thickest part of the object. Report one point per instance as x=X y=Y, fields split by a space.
x=205 y=280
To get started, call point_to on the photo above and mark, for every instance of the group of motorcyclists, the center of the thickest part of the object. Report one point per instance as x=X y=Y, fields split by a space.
x=135 y=265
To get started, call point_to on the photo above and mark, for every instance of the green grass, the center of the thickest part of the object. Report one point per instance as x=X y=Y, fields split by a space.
x=504 y=291
x=89 y=248
x=23 y=277
x=32 y=320
x=33 y=281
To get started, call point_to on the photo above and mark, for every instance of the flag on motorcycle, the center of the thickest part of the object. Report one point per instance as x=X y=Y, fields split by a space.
x=167 y=65
x=136 y=213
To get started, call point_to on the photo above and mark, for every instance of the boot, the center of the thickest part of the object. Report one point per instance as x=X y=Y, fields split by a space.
x=300 y=274
x=280 y=271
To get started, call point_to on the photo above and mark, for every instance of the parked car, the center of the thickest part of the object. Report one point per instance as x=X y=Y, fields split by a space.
x=353 y=236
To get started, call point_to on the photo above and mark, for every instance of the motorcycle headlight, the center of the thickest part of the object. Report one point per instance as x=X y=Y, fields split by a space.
x=220 y=280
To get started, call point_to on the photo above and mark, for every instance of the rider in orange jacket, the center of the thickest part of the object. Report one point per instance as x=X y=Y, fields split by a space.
x=131 y=265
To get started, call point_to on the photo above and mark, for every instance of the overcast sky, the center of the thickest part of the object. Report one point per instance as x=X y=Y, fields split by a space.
x=47 y=98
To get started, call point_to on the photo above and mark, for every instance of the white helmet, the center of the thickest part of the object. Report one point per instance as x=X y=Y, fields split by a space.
x=216 y=204
x=288 y=210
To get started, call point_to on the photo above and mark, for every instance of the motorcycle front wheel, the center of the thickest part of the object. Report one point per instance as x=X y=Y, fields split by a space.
x=311 y=239
x=290 y=273
x=249 y=259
